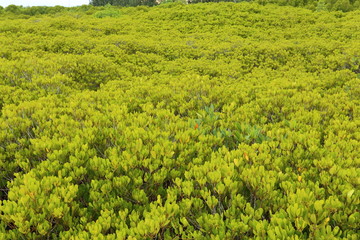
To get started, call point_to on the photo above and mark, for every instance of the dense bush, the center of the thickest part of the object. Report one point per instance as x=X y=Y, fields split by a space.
x=206 y=121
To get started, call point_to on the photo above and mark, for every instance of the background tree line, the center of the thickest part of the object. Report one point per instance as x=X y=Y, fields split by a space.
x=315 y=5
x=330 y=5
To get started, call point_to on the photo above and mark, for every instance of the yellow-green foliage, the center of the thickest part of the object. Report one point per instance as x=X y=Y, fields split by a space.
x=206 y=121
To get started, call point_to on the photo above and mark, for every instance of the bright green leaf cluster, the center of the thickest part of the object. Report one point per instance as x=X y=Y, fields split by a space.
x=205 y=121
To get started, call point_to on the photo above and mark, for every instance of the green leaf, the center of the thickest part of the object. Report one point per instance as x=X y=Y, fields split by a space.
x=318 y=205
x=350 y=193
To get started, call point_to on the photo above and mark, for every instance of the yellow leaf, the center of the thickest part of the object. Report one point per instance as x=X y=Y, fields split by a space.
x=236 y=162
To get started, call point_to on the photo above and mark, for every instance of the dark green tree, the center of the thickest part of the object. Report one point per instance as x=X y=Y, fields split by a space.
x=13 y=8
